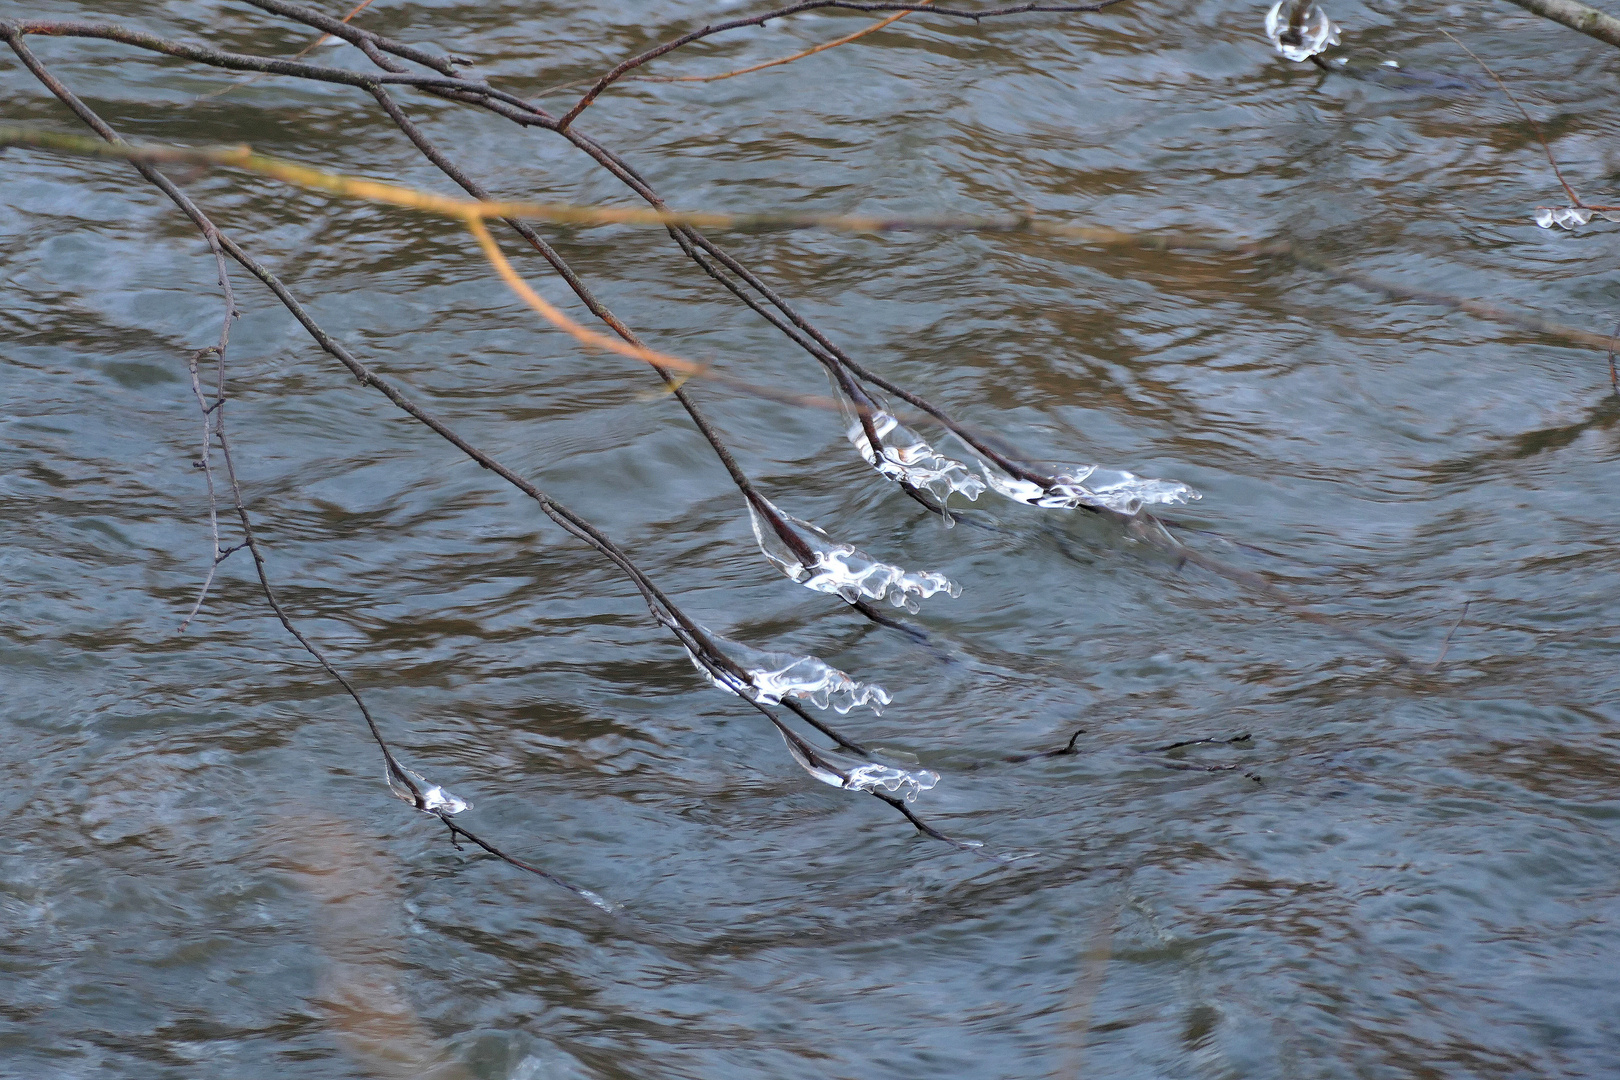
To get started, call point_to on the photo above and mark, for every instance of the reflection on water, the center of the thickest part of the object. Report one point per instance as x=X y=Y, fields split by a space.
x=1423 y=884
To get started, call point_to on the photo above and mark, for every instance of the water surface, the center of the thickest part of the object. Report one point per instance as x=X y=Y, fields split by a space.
x=203 y=872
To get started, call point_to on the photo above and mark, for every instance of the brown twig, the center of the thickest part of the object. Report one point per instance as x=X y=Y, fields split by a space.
x=779 y=61
x=1574 y=199
x=631 y=63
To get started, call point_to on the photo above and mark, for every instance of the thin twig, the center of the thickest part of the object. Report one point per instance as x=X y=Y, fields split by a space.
x=1574 y=199
x=1446 y=644
x=206 y=462
x=779 y=61
x=633 y=62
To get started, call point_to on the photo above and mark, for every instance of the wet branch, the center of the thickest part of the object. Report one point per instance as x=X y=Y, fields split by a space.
x=697 y=643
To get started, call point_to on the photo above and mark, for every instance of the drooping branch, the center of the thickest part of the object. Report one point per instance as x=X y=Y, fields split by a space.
x=714 y=661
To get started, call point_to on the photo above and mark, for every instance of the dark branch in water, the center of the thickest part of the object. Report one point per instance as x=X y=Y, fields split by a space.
x=1245 y=737
x=696 y=641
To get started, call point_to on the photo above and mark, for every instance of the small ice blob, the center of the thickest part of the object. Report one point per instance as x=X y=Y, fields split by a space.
x=597 y=900
x=773 y=676
x=1093 y=485
x=906 y=457
x=851 y=773
x=434 y=797
x=1565 y=217
x=1314 y=36
x=842 y=569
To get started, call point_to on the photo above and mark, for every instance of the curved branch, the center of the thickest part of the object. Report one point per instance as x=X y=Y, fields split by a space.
x=631 y=63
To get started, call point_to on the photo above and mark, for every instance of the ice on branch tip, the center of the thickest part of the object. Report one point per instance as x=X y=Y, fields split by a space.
x=842 y=569
x=1313 y=36
x=434 y=799
x=907 y=458
x=1094 y=486
x=773 y=676
x=1570 y=217
x=857 y=774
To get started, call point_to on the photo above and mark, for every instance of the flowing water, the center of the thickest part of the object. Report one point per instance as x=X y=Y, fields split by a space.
x=1367 y=870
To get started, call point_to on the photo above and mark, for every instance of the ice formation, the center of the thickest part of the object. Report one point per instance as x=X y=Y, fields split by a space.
x=858 y=774
x=1317 y=33
x=1569 y=217
x=1093 y=485
x=434 y=797
x=773 y=676
x=907 y=457
x=842 y=569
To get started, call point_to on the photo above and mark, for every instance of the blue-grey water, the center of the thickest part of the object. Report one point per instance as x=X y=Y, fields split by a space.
x=1406 y=872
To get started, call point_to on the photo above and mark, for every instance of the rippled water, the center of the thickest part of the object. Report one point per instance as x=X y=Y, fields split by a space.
x=1404 y=872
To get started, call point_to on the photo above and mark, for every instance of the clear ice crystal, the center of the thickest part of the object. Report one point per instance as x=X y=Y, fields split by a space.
x=842 y=569
x=858 y=774
x=908 y=458
x=1566 y=217
x=434 y=797
x=773 y=676
x=1093 y=485
x=1314 y=37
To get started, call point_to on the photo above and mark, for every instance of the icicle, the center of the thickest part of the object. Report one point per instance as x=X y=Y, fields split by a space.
x=773 y=676
x=434 y=797
x=862 y=775
x=844 y=570
x=908 y=458
x=1093 y=485
x=1317 y=33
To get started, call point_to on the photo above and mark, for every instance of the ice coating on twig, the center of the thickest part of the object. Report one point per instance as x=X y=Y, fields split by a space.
x=842 y=569
x=909 y=459
x=1568 y=217
x=773 y=676
x=434 y=798
x=1313 y=37
x=1093 y=485
x=858 y=774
